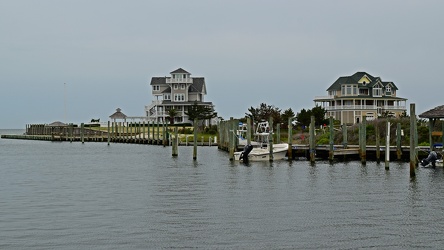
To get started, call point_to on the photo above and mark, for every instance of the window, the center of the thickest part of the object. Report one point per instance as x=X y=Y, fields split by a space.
x=388 y=89
x=167 y=97
x=377 y=92
x=156 y=87
x=182 y=86
x=179 y=97
x=175 y=86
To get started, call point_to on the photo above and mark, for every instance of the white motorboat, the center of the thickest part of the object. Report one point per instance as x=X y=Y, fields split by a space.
x=258 y=149
x=263 y=153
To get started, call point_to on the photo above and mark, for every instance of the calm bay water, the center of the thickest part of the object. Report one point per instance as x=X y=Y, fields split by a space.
x=61 y=195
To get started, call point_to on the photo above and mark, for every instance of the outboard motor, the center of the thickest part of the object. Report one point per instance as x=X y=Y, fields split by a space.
x=431 y=158
x=244 y=155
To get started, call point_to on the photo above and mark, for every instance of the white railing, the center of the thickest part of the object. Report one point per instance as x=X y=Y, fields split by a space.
x=324 y=97
x=178 y=80
x=367 y=107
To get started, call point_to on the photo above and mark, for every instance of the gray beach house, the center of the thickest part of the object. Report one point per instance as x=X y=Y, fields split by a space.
x=179 y=91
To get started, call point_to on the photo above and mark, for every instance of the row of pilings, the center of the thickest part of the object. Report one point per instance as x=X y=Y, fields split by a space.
x=117 y=132
x=228 y=141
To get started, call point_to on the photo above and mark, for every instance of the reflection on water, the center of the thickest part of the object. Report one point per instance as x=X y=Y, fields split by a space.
x=72 y=195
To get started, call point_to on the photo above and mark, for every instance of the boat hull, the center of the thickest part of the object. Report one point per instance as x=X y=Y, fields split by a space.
x=263 y=154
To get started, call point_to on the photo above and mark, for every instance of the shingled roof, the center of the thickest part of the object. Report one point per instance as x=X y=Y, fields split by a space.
x=437 y=112
x=197 y=86
x=179 y=71
x=118 y=114
x=354 y=79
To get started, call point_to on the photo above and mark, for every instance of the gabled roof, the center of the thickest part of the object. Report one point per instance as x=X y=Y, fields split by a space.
x=437 y=112
x=355 y=78
x=179 y=71
x=197 y=86
x=158 y=80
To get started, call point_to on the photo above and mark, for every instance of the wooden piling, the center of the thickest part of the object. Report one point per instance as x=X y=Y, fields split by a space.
x=71 y=133
x=108 y=135
x=398 y=141
x=270 y=139
x=175 y=143
x=82 y=132
x=248 y=130
x=387 y=147
x=195 y=139
x=331 y=136
x=378 y=143
x=312 y=140
x=412 y=140
x=158 y=133
x=363 y=141
x=290 y=139
x=231 y=135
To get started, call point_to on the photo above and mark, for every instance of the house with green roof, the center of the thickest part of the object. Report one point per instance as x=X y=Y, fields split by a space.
x=351 y=98
x=179 y=91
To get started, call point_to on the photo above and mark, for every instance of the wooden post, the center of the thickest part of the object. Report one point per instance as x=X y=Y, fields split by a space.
x=152 y=141
x=231 y=135
x=270 y=138
x=331 y=128
x=71 y=127
x=290 y=139
x=412 y=140
x=109 y=133
x=378 y=143
x=175 y=143
x=249 y=130
x=398 y=141
x=387 y=147
x=158 y=133
x=344 y=135
x=312 y=141
x=82 y=132
x=363 y=145
x=195 y=139
x=431 y=125
x=164 y=134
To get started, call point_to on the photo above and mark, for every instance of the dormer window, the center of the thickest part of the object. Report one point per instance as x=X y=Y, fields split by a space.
x=388 y=89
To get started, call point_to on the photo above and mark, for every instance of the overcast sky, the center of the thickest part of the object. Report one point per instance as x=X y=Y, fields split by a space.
x=282 y=53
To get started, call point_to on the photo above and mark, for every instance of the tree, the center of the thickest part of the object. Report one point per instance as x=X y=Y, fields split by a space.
x=304 y=117
x=171 y=114
x=264 y=112
x=200 y=112
x=318 y=112
x=285 y=115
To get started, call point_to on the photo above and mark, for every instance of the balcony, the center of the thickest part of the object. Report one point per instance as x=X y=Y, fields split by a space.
x=363 y=107
x=178 y=80
x=327 y=97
